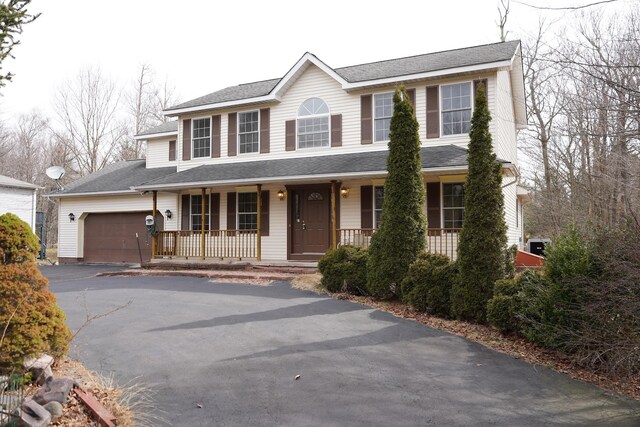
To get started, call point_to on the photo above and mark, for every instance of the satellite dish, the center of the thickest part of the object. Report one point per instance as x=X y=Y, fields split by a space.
x=55 y=173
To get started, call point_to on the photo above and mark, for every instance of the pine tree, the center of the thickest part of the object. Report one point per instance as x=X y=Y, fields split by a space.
x=401 y=236
x=483 y=237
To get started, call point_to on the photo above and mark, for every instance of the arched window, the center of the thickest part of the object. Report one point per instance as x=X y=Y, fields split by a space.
x=313 y=124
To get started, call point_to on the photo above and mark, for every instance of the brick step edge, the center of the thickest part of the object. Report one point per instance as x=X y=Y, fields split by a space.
x=99 y=412
x=229 y=267
x=282 y=277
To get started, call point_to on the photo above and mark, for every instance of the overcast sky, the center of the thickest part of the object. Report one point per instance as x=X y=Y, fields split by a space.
x=202 y=46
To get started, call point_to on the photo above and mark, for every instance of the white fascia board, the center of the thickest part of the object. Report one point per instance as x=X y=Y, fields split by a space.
x=256 y=100
x=427 y=75
x=97 y=193
x=154 y=135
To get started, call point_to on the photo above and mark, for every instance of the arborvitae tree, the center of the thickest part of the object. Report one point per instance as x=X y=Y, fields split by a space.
x=401 y=236
x=483 y=237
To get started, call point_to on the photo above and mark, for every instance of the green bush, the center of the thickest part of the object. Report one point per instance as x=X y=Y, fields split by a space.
x=568 y=257
x=428 y=284
x=17 y=241
x=344 y=270
x=503 y=309
x=30 y=319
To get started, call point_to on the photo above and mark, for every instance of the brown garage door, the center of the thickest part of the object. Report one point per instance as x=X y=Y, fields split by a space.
x=111 y=237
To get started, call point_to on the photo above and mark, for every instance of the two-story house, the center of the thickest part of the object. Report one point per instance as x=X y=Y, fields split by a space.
x=285 y=169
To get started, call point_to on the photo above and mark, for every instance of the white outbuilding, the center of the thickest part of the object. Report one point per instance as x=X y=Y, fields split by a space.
x=19 y=198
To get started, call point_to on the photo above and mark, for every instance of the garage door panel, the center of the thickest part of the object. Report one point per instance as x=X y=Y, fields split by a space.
x=111 y=237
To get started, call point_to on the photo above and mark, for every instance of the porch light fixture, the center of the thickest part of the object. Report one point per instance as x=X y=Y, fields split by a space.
x=344 y=192
x=281 y=195
x=72 y=217
x=168 y=214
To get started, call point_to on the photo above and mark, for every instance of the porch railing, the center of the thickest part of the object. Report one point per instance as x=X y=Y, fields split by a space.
x=239 y=244
x=439 y=240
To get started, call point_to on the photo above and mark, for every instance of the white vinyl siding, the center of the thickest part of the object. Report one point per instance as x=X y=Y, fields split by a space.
x=157 y=153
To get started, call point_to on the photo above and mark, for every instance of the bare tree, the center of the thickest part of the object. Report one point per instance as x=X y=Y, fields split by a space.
x=503 y=14
x=87 y=110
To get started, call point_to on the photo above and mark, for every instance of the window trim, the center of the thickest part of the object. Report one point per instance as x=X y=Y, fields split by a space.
x=312 y=116
x=245 y=213
x=440 y=110
x=193 y=146
x=191 y=214
x=442 y=208
x=373 y=117
x=238 y=133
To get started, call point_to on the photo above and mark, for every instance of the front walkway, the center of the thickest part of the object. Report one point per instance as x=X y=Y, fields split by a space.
x=235 y=350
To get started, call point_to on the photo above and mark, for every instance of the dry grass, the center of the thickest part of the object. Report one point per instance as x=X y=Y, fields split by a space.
x=308 y=282
x=52 y=257
x=131 y=404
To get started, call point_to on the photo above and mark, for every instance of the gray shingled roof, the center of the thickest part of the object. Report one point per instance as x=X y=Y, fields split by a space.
x=430 y=62
x=120 y=176
x=374 y=70
x=6 y=181
x=171 y=126
x=335 y=165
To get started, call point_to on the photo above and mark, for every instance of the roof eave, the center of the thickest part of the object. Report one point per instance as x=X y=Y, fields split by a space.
x=94 y=193
x=155 y=135
x=255 y=100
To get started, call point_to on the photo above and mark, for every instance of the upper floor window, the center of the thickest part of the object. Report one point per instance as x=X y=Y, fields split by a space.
x=453 y=205
x=248 y=132
x=247 y=211
x=382 y=112
x=456 y=108
x=313 y=124
x=201 y=135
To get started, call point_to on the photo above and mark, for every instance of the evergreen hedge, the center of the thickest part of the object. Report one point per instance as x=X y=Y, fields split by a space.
x=401 y=236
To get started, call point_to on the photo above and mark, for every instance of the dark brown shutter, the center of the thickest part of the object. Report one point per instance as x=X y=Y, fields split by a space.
x=433 y=204
x=231 y=211
x=476 y=83
x=215 y=135
x=265 y=139
x=412 y=98
x=214 y=216
x=336 y=130
x=366 y=125
x=366 y=206
x=186 y=211
x=232 y=140
x=433 y=112
x=290 y=135
x=186 y=139
x=172 y=151
x=264 y=213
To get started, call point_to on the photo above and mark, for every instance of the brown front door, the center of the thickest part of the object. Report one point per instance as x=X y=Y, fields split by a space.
x=310 y=221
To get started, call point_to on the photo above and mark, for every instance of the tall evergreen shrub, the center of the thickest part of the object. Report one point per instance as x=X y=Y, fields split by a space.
x=483 y=237
x=401 y=236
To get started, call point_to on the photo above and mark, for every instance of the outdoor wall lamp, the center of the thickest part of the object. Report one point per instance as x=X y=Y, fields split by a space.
x=281 y=195
x=72 y=217
x=168 y=214
x=344 y=192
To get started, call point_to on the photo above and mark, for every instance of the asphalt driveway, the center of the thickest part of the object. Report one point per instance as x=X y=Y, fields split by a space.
x=235 y=350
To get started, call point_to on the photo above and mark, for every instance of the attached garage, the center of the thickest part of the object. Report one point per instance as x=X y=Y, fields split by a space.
x=111 y=237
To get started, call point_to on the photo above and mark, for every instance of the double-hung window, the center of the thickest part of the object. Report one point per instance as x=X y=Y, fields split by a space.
x=247 y=211
x=378 y=199
x=382 y=112
x=453 y=205
x=196 y=212
x=201 y=135
x=313 y=124
x=456 y=108
x=248 y=132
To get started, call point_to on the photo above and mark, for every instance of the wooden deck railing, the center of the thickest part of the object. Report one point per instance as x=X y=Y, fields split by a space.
x=221 y=244
x=439 y=240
